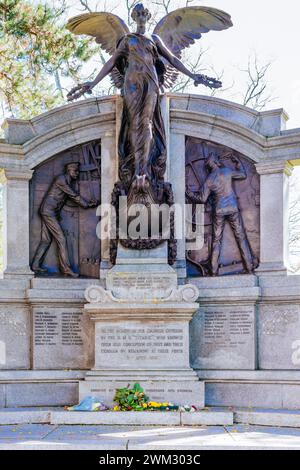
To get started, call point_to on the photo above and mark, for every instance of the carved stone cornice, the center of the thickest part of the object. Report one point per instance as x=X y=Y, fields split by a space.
x=15 y=174
x=272 y=167
x=98 y=295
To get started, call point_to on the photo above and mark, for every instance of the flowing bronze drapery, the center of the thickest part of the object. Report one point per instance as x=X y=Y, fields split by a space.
x=142 y=142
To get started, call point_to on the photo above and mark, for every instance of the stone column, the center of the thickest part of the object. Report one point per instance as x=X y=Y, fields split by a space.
x=109 y=175
x=177 y=179
x=274 y=214
x=16 y=222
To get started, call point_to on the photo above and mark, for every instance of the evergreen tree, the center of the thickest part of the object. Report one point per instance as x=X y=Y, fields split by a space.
x=35 y=52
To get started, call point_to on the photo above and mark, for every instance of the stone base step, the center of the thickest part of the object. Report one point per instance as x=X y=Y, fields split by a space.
x=208 y=417
x=144 y=418
x=159 y=418
x=252 y=389
x=237 y=389
x=24 y=416
x=178 y=389
x=267 y=417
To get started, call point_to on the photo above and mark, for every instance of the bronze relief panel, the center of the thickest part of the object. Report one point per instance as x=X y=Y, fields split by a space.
x=64 y=194
x=227 y=183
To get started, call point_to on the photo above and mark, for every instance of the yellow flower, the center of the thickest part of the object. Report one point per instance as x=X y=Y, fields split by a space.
x=116 y=408
x=145 y=405
x=154 y=404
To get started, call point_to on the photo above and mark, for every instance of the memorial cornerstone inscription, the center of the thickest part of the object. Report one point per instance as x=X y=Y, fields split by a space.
x=151 y=344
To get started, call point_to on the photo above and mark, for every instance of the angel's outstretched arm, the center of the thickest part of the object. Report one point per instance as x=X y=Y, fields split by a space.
x=167 y=54
x=87 y=87
x=106 y=69
x=177 y=64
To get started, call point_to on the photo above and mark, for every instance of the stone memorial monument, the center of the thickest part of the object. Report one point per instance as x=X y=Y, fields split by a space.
x=215 y=323
x=142 y=319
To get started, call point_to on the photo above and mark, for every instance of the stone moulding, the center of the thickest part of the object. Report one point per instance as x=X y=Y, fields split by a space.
x=179 y=304
x=19 y=131
x=268 y=123
x=219 y=130
x=98 y=295
x=162 y=312
x=25 y=140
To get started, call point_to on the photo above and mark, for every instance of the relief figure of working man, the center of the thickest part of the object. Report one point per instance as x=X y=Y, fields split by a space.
x=218 y=186
x=63 y=187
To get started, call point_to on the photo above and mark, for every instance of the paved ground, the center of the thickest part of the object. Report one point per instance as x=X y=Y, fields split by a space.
x=43 y=436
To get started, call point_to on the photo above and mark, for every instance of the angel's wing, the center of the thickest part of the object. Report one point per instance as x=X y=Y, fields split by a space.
x=107 y=28
x=182 y=27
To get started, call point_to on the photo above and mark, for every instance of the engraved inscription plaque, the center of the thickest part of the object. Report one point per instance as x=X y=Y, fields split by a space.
x=61 y=339
x=151 y=344
x=157 y=391
x=223 y=338
x=140 y=282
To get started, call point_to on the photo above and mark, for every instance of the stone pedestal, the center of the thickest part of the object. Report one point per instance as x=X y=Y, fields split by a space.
x=141 y=275
x=142 y=331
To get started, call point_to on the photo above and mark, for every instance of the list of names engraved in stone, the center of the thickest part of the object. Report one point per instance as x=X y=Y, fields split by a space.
x=142 y=342
x=52 y=329
x=71 y=329
x=228 y=329
x=46 y=329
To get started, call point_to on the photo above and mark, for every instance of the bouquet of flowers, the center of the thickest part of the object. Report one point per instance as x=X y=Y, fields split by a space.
x=128 y=399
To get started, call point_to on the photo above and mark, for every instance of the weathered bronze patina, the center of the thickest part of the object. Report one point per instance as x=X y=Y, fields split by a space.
x=63 y=193
x=228 y=185
x=141 y=65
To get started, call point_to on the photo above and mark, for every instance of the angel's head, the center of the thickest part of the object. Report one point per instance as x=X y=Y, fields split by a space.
x=140 y=15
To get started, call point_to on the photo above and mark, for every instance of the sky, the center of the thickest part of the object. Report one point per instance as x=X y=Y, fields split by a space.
x=271 y=28
x=265 y=27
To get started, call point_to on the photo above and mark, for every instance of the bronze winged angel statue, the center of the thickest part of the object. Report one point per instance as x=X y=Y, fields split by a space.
x=141 y=66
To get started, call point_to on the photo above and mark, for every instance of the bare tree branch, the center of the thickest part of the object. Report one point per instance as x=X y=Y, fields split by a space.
x=85 y=5
x=195 y=64
x=294 y=220
x=130 y=4
x=256 y=94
